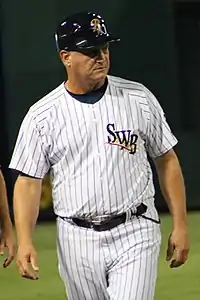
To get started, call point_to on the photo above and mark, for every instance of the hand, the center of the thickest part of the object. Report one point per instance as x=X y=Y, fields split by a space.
x=7 y=241
x=27 y=261
x=178 y=247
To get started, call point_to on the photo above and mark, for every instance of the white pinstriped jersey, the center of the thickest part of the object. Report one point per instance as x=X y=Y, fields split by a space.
x=96 y=153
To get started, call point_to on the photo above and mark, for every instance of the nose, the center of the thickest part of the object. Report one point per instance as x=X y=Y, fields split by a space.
x=100 y=53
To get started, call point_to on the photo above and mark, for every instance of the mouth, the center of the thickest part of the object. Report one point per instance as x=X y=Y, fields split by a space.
x=100 y=68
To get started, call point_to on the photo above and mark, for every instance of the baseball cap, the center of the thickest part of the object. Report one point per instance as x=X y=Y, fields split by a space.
x=81 y=31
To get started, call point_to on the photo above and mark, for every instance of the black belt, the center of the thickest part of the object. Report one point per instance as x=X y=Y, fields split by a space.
x=113 y=221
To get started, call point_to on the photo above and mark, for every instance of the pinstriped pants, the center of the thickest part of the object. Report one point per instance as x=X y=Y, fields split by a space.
x=119 y=264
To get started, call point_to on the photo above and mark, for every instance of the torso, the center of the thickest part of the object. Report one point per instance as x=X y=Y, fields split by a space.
x=97 y=152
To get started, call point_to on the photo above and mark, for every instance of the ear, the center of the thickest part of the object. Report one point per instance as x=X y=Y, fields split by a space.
x=65 y=57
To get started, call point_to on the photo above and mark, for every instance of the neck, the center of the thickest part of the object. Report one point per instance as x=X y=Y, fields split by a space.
x=82 y=88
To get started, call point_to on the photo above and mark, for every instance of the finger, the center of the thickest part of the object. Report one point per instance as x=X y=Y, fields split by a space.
x=8 y=261
x=10 y=257
x=22 y=271
x=25 y=271
x=30 y=277
x=26 y=274
x=175 y=264
x=179 y=258
x=2 y=249
x=170 y=251
x=22 y=266
x=34 y=262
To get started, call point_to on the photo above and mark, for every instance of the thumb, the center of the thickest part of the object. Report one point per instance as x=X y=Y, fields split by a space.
x=1 y=248
x=34 y=262
x=170 y=250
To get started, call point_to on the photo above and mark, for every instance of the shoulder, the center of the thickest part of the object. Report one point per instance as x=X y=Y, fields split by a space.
x=43 y=107
x=135 y=91
x=131 y=87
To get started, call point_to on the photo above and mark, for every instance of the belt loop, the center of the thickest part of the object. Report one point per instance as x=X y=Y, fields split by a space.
x=141 y=209
x=128 y=215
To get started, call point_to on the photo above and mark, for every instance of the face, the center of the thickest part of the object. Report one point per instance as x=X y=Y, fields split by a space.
x=87 y=65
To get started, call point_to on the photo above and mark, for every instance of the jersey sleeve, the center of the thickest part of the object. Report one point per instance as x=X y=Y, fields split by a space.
x=29 y=155
x=159 y=137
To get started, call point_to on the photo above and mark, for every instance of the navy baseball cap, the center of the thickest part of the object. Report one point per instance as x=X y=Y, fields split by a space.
x=83 y=31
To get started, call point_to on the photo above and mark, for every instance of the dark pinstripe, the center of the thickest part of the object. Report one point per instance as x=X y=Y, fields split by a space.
x=120 y=124
x=99 y=202
x=66 y=205
x=106 y=175
x=87 y=153
x=112 y=173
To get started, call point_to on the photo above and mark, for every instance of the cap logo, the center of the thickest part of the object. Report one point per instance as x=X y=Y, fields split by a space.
x=98 y=27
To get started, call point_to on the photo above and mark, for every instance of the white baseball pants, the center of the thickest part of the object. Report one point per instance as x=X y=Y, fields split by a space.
x=119 y=264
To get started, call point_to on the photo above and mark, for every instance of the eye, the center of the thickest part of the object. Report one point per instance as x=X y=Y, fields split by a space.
x=89 y=52
x=93 y=52
x=105 y=47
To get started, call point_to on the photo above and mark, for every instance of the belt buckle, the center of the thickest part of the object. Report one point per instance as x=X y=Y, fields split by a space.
x=99 y=220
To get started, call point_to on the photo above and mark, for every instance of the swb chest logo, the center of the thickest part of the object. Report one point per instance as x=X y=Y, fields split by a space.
x=122 y=138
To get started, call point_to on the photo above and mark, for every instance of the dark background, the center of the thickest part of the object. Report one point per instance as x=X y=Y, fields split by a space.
x=160 y=47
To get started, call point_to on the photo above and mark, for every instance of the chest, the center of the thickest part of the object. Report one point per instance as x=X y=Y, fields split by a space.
x=78 y=128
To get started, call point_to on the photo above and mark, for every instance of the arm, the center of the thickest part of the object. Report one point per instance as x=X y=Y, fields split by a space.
x=26 y=202
x=6 y=234
x=5 y=220
x=30 y=157
x=173 y=190
x=172 y=187
x=160 y=142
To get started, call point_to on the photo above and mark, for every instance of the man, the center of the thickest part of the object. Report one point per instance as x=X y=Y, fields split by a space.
x=93 y=133
x=6 y=234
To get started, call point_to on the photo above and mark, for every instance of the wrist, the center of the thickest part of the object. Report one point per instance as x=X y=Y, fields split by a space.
x=6 y=224
x=24 y=237
x=25 y=240
x=180 y=224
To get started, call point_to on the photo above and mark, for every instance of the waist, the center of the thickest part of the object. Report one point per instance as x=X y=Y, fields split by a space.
x=111 y=221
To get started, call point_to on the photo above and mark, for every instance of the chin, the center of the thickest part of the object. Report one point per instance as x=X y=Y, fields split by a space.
x=99 y=75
